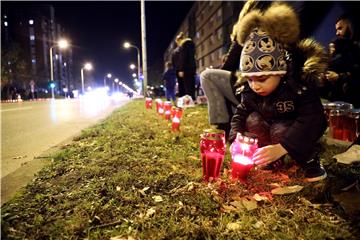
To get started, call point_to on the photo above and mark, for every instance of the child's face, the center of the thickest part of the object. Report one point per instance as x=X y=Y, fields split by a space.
x=264 y=85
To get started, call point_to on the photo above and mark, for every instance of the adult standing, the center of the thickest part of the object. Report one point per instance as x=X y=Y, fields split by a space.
x=343 y=74
x=183 y=59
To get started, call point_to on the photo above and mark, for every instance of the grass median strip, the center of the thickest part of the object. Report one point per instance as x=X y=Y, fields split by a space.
x=130 y=176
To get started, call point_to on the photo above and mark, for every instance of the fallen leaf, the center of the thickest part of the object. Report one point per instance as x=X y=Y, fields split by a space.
x=287 y=190
x=237 y=204
x=157 y=198
x=142 y=191
x=233 y=226
x=18 y=157
x=150 y=212
x=260 y=198
x=258 y=224
x=249 y=204
x=228 y=208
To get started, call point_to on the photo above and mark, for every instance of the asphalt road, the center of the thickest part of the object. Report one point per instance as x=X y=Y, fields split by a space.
x=30 y=128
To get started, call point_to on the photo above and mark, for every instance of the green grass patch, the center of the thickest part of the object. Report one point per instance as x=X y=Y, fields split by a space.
x=131 y=176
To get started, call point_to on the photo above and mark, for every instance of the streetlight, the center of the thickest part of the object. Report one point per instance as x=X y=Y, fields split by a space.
x=128 y=45
x=132 y=66
x=62 y=44
x=107 y=76
x=88 y=67
x=134 y=75
x=116 y=80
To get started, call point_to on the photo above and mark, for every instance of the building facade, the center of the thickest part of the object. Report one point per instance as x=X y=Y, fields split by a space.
x=31 y=31
x=209 y=24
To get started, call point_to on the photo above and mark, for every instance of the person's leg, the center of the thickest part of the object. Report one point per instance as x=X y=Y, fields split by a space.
x=189 y=84
x=257 y=125
x=217 y=88
x=181 y=89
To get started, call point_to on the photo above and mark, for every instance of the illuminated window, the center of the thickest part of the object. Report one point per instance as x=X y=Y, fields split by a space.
x=5 y=24
x=65 y=64
x=33 y=61
x=31 y=22
x=56 y=56
x=197 y=35
x=5 y=16
x=32 y=37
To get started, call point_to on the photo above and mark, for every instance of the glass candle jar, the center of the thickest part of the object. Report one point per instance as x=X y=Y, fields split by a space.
x=148 y=103
x=158 y=104
x=352 y=125
x=337 y=123
x=179 y=112
x=175 y=124
x=167 y=110
x=212 y=151
x=242 y=150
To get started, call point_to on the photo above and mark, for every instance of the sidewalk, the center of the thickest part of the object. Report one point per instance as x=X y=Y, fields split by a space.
x=130 y=176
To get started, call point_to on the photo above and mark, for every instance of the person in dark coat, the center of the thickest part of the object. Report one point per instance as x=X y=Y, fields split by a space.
x=343 y=75
x=183 y=59
x=169 y=78
x=278 y=95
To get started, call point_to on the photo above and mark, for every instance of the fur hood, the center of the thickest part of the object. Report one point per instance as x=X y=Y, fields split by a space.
x=279 y=20
x=182 y=41
x=307 y=57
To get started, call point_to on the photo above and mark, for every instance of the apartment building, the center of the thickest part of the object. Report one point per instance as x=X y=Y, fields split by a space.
x=32 y=30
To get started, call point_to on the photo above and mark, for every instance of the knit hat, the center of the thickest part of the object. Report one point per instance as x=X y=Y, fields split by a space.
x=262 y=55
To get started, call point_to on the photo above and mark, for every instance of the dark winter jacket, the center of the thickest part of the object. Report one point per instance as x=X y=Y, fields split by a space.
x=183 y=57
x=169 y=78
x=295 y=99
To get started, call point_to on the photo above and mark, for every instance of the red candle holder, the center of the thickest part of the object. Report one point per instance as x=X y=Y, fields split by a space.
x=242 y=150
x=179 y=112
x=167 y=110
x=175 y=124
x=172 y=112
x=158 y=104
x=148 y=103
x=212 y=150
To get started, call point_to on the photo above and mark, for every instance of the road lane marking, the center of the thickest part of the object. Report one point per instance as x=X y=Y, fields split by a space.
x=15 y=109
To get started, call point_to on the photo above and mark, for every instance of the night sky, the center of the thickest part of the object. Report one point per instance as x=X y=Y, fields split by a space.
x=97 y=31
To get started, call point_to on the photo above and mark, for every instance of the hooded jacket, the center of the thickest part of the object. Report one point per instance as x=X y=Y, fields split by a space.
x=296 y=98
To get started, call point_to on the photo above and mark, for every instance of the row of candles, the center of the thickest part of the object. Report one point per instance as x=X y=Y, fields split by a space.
x=213 y=146
x=168 y=111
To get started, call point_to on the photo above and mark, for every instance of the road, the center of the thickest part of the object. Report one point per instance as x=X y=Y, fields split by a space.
x=30 y=128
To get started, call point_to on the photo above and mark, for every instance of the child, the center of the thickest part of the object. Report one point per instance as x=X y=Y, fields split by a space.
x=279 y=101
x=169 y=78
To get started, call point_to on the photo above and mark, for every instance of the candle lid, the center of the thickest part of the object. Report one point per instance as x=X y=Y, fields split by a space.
x=354 y=113
x=247 y=137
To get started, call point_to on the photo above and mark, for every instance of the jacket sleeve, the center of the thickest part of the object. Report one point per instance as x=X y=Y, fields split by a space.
x=233 y=57
x=238 y=121
x=301 y=137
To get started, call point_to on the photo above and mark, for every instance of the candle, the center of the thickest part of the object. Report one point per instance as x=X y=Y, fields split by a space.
x=176 y=124
x=241 y=166
x=167 y=114
x=212 y=151
x=242 y=150
x=148 y=103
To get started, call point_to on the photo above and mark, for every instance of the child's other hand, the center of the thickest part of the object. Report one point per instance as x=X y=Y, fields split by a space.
x=265 y=155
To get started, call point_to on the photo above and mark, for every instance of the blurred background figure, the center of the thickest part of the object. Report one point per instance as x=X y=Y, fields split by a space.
x=343 y=78
x=169 y=78
x=183 y=59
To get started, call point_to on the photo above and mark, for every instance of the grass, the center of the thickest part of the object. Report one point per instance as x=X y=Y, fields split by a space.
x=130 y=177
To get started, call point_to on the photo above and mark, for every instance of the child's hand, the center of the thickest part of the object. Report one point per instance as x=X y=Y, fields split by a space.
x=265 y=155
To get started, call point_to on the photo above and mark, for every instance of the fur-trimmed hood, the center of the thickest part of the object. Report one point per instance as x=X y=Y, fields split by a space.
x=306 y=57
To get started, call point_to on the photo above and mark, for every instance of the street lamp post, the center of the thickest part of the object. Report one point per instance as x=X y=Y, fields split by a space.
x=128 y=45
x=62 y=44
x=87 y=66
x=107 y=76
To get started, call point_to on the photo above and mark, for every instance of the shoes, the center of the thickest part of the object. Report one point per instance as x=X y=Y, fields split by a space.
x=275 y=165
x=314 y=171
